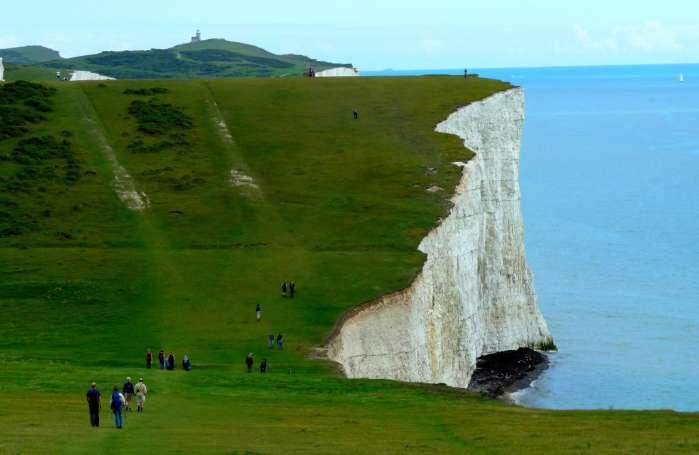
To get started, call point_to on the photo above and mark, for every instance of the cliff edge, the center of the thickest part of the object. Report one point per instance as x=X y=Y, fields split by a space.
x=475 y=294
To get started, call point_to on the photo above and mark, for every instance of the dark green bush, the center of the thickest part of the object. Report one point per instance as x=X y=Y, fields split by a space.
x=139 y=146
x=35 y=149
x=155 y=117
x=146 y=91
x=22 y=103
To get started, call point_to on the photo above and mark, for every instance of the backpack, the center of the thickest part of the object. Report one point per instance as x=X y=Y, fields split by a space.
x=116 y=402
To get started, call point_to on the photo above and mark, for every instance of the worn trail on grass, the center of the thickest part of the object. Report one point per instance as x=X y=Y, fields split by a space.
x=240 y=175
x=123 y=183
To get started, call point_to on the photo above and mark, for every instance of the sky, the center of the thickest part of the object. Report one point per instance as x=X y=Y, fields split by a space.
x=376 y=34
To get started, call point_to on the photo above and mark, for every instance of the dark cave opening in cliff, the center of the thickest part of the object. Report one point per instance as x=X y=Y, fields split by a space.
x=507 y=371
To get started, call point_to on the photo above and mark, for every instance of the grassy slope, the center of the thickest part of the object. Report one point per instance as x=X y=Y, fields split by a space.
x=341 y=210
x=15 y=72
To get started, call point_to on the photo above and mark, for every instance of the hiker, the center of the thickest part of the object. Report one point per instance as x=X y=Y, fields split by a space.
x=356 y=114
x=161 y=359
x=258 y=311
x=270 y=340
x=284 y=289
x=292 y=289
x=186 y=363
x=117 y=406
x=149 y=359
x=94 y=403
x=128 y=393
x=141 y=392
x=263 y=366
x=465 y=73
x=249 y=360
x=280 y=341
x=171 y=362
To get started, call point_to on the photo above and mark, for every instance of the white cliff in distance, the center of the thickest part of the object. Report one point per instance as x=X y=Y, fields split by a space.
x=78 y=76
x=338 y=72
x=2 y=71
x=474 y=295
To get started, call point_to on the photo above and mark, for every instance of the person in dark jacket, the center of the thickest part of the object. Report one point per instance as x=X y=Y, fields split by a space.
x=270 y=340
x=280 y=341
x=149 y=359
x=263 y=366
x=171 y=361
x=94 y=403
x=186 y=363
x=128 y=393
x=258 y=312
x=284 y=289
x=249 y=360
x=161 y=359
x=292 y=289
x=117 y=408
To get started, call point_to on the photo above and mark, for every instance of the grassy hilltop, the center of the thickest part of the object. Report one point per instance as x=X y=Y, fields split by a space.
x=213 y=58
x=29 y=55
x=337 y=205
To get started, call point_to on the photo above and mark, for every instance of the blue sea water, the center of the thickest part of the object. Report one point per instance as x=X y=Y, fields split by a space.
x=610 y=195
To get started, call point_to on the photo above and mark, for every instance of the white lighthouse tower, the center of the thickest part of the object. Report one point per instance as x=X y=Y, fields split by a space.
x=197 y=38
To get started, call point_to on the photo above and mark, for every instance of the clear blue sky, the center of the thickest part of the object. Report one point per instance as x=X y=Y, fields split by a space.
x=377 y=34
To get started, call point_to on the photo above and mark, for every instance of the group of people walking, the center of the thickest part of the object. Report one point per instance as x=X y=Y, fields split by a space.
x=250 y=361
x=120 y=401
x=279 y=341
x=288 y=289
x=167 y=363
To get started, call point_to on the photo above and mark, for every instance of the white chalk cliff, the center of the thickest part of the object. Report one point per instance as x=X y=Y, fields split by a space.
x=338 y=72
x=79 y=76
x=474 y=295
x=2 y=71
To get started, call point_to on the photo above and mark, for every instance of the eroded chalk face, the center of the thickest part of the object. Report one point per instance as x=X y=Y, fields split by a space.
x=475 y=294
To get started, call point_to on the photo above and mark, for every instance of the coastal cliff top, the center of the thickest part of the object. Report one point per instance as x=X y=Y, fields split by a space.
x=138 y=215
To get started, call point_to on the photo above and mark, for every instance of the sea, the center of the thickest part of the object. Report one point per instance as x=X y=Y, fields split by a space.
x=610 y=197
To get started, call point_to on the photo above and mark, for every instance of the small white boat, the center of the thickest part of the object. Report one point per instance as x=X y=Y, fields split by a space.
x=681 y=77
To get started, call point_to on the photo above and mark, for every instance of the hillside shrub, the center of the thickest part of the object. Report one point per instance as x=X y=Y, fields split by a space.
x=146 y=91
x=22 y=104
x=155 y=117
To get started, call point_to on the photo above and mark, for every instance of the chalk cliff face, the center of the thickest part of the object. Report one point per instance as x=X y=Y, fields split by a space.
x=88 y=76
x=474 y=295
x=2 y=71
x=338 y=72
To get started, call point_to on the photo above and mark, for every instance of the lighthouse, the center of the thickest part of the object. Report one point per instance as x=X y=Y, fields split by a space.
x=196 y=38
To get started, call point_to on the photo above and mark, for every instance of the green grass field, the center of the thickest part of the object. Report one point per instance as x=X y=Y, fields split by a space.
x=87 y=285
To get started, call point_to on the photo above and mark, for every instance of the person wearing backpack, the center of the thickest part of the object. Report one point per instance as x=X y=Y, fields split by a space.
x=117 y=407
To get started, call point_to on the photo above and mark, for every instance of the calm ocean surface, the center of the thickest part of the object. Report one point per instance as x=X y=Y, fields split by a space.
x=610 y=188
